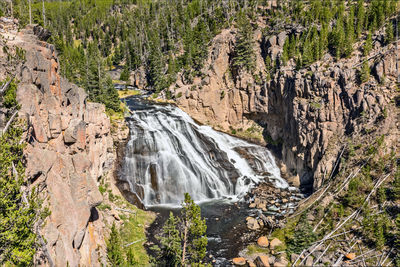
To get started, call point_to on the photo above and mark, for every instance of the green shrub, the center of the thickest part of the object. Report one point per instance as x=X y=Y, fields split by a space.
x=303 y=236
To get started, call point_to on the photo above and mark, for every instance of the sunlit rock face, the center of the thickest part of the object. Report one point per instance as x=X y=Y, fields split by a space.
x=68 y=148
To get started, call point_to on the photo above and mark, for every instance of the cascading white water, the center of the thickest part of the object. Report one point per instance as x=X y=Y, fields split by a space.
x=168 y=154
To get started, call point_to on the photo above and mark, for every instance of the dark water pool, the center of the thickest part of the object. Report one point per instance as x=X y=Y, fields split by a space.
x=226 y=229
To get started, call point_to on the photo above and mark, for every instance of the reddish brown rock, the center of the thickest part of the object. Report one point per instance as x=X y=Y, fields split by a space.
x=350 y=256
x=263 y=242
x=69 y=148
x=262 y=261
x=239 y=261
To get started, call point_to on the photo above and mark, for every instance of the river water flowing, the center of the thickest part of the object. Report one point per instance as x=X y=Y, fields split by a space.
x=169 y=154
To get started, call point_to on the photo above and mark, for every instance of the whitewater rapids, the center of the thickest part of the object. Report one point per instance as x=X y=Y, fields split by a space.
x=168 y=154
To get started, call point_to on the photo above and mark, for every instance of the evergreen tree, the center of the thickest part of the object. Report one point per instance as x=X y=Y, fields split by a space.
x=18 y=208
x=171 y=242
x=368 y=44
x=349 y=35
x=337 y=39
x=183 y=240
x=124 y=74
x=244 y=52
x=114 y=247
x=285 y=53
x=389 y=36
x=130 y=258
x=303 y=236
x=194 y=229
x=364 y=73
x=397 y=240
x=109 y=95
x=360 y=17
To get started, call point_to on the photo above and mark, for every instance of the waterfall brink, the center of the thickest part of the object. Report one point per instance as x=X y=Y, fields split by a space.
x=168 y=154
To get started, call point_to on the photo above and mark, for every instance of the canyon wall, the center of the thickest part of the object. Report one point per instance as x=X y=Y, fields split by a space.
x=308 y=113
x=69 y=147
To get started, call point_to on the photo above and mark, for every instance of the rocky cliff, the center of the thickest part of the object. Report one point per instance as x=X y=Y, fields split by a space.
x=308 y=114
x=69 y=147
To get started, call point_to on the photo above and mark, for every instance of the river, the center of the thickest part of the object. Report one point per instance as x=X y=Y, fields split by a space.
x=169 y=154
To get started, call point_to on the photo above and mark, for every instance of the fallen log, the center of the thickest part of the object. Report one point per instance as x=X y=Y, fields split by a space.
x=9 y=123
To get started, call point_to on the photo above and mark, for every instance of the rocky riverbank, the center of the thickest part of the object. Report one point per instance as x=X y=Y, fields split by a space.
x=273 y=205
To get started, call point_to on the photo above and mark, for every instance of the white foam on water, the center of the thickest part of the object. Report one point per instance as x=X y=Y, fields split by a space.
x=168 y=155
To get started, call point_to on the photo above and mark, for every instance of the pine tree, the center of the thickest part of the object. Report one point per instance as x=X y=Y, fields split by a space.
x=285 y=53
x=130 y=258
x=307 y=54
x=194 y=229
x=396 y=185
x=389 y=36
x=397 y=240
x=302 y=237
x=364 y=74
x=360 y=17
x=183 y=240
x=368 y=44
x=171 y=242
x=114 y=247
x=109 y=95
x=349 y=33
x=244 y=52
x=124 y=74
x=18 y=208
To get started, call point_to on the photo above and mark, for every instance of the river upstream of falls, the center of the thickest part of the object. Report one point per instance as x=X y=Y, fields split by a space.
x=169 y=154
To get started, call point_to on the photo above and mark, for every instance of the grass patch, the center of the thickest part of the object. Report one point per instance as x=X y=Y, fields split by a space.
x=252 y=133
x=133 y=229
x=253 y=249
x=126 y=93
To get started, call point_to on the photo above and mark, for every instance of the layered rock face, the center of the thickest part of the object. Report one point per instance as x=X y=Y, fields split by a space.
x=69 y=147
x=308 y=113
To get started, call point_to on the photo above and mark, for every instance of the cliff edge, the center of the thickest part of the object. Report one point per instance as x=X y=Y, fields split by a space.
x=69 y=147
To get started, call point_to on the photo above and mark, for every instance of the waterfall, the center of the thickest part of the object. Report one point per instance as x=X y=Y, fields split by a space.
x=168 y=154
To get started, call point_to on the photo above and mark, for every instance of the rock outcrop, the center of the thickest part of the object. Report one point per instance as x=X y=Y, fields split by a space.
x=307 y=114
x=69 y=147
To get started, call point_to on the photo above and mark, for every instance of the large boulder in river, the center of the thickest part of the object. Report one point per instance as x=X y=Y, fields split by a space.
x=252 y=223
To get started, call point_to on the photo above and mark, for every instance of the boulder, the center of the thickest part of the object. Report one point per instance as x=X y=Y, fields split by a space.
x=271 y=260
x=251 y=263
x=272 y=41
x=309 y=261
x=41 y=33
x=275 y=243
x=350 y=256
x=240 y=261
x=282 y=262
x=75 y=132
x=252 y=223
x=294 y=257
x=54 y=125
x=39 y=131
x=263 y=242
x=262 y=261
x=281 y=38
